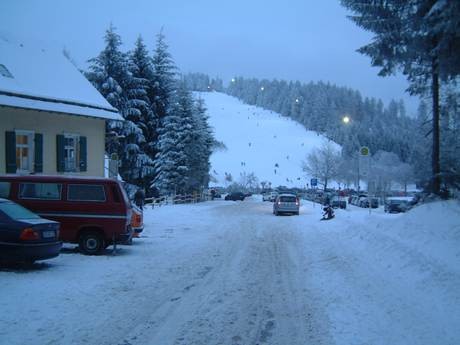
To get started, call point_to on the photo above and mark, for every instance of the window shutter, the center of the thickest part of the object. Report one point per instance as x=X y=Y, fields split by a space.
x=10 y=152
x=38 y=153
x=60 y=158
x=83 y=154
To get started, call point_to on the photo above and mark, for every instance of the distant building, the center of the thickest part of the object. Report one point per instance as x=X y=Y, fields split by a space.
x=52 y=119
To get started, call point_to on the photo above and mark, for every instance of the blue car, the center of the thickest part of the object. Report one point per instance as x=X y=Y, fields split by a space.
x=25 y=236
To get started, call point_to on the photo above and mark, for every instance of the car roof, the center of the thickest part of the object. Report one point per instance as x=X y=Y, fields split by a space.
x=4 y=200
x=288 y=194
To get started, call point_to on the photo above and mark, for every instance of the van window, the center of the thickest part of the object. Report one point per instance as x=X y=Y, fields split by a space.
x=45 y=191
x=5 y=190
x=86 y=192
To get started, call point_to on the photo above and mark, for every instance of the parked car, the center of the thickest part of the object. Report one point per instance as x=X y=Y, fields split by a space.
x=354 y=200
x=396 y=205
x=235 y=196
x=93 y=212
x=364 y=202
x=338 y=202
x=266 y=196
x=25 y=236
x=272 y=196
x=286 y=203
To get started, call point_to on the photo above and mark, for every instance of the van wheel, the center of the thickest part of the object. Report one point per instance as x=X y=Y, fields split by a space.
x=91 y=243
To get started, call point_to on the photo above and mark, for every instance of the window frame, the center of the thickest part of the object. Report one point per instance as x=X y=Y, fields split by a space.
x=59 y=198
x=86 y=184
x=76 y=147
x=31 y=148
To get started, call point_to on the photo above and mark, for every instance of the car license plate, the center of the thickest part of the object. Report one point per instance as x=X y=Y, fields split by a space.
x=48 y=234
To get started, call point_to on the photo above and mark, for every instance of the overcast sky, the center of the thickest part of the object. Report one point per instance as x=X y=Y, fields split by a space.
x=306 y=40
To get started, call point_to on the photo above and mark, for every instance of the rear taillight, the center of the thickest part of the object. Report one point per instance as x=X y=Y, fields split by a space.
x=28 y=234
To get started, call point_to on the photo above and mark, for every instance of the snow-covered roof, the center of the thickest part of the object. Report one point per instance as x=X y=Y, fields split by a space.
x=39 y=78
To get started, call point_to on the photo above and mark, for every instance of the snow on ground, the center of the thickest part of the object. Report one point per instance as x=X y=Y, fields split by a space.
x=233 y=273
x=257 y=140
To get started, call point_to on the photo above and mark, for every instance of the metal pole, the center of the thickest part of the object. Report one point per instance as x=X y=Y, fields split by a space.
x=368 y=184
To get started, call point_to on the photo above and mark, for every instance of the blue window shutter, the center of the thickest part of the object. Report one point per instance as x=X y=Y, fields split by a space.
x=83 y=165
x=10 y=152
x=38 y=153
x=60 y=158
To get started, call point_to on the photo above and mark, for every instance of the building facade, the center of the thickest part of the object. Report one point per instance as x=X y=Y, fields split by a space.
x=52 y=120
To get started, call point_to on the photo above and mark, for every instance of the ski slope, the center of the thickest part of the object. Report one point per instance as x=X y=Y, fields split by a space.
x=258 y=141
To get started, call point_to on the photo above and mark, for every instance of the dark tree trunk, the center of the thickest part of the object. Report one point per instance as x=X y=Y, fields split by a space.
x=435 y=165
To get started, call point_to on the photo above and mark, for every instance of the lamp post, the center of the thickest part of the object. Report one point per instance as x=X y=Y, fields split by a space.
x=346 y=120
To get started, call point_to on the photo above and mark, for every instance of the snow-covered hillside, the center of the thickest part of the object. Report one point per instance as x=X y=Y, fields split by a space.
x=258 y=141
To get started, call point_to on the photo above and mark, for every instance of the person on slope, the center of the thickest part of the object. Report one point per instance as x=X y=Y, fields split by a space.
x=328 y=212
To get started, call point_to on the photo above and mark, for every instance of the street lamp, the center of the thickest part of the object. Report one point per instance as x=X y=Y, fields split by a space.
x=262 y=88
x=233 y=80
x=297 y=100
x=346 y=119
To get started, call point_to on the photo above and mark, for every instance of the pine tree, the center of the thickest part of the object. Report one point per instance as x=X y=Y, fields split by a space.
x=175 y=150
x=164 y=77
x=201 y=148
x=421 y=39
x=141 y=68
x=109 y=73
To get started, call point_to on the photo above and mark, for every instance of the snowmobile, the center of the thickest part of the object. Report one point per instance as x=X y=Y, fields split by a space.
x=328 y=213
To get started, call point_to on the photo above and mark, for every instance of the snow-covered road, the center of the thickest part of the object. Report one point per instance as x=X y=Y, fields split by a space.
x=232 y=273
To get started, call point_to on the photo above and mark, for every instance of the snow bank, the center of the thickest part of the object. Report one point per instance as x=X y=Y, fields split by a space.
x=390 y=279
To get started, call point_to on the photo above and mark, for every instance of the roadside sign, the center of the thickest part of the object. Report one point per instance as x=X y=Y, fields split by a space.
x=313 y=182
x=364 y=151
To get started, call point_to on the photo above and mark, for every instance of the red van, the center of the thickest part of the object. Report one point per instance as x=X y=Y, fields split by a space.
x=93 y=212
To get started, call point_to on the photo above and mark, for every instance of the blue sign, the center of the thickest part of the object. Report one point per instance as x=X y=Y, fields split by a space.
x=313 y=182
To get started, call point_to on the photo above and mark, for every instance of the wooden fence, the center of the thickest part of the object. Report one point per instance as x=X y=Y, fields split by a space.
x=177 y=199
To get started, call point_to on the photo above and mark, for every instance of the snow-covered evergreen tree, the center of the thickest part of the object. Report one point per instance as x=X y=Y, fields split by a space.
x=109 y=73
x=141 y=68
x=201 y=148
x=164 y=77
x=164 y=141
x=420 y=38
x=172 y=163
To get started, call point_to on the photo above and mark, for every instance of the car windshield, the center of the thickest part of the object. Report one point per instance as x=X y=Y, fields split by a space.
x=15 y=211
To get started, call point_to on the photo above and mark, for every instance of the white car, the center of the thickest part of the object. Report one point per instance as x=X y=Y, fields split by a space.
x=269 y=196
